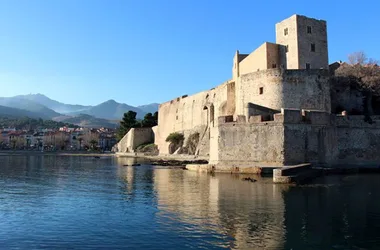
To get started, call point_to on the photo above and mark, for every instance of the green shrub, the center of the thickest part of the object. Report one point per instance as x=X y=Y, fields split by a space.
x=192 y=143
x=176 y=141
x=175 y=138
x=150 y=149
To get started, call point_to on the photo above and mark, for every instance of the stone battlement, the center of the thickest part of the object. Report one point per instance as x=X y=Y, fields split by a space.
x=286 y=116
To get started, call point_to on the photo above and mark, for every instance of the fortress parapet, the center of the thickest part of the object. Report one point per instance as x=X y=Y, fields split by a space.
x=286 y=116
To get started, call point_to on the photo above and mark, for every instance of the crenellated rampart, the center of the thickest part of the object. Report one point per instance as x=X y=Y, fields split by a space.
x=296 y=136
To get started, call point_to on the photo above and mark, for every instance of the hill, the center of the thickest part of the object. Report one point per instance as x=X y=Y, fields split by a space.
x=85 y=120
x=149 y=108
x=28 y=105
x=28 y=123
x=15 y=113
x=112 y=110
x=40 y=106
x=53 y=104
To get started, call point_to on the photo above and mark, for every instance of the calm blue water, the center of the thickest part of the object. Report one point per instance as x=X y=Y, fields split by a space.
x=52 y=202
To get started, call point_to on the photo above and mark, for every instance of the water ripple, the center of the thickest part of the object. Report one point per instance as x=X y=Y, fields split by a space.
x=49 y=202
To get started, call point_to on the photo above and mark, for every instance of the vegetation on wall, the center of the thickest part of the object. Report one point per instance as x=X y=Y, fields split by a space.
x=191 y=144
x=176 y=141
x=148 y=149
x=362 y=74
x=175 y=138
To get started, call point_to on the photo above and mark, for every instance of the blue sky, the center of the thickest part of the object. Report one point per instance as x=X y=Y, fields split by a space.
x=144 y=51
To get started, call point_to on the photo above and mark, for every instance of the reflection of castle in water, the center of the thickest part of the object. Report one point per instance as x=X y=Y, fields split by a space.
x=250 y=213
x=341 y=212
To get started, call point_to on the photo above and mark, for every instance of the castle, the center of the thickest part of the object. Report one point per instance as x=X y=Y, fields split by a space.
x=274 y=111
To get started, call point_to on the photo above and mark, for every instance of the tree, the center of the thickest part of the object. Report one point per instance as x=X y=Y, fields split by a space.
x=13 y=143
x=93 y=143
x=49 y=140
x=129 y=121
x=357 y=58
x=361 y=73
x=67 y=142
x=90 y=138
x=149 y=120
x=176 y=141
x=26 y=123
x=39 y=143
x=80 y=139
x=20 y=142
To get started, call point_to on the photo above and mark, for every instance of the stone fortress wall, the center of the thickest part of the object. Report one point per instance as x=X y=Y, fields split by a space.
x=276 y=109
x=194 y=114
x=294 y=137
x=276 y=89
x=258 y=79
x=134 y=138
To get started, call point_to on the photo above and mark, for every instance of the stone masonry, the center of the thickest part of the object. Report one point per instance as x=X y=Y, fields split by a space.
x=275 y=110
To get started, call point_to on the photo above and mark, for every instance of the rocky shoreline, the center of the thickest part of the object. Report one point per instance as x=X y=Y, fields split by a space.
x=176 y=162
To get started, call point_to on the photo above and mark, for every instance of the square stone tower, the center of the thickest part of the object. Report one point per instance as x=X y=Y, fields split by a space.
x=304 y=43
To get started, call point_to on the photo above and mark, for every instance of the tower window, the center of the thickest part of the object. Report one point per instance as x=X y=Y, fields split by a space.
x=286 y=32
x=312 y=47
x=309 y=29
x=307 y=65
x=274 y=66
x=261 y=90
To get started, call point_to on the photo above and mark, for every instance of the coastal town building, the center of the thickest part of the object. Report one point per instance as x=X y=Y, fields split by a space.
x=274 y=111
x=58 y=139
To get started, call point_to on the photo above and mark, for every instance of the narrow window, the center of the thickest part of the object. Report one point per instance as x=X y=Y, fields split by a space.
x=286 y=48
x=309 y=29
x=274 y=66
x=312 y=47
x=261 y=90
x=307 y=65
x=176 y=117
x=286 y=32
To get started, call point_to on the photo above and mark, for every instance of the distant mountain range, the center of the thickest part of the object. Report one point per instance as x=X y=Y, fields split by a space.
x=24 y=104
x=106 y=114
x=53 y=104
x=15 y=112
